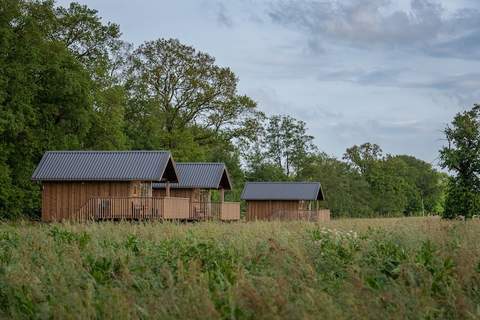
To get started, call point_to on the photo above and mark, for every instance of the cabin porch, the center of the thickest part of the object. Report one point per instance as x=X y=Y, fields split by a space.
x=153 y=208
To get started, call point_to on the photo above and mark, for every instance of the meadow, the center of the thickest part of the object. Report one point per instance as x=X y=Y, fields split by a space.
x=405 y=268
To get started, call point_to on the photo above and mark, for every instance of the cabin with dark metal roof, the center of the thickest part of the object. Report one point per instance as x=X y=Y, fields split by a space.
x=284 y=200
x=102 y=184
x=196 y=182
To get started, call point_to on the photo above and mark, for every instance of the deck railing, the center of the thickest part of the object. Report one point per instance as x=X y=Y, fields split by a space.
x=230 y=211
x=118 y=208
x=224 y=211
x=168 y=208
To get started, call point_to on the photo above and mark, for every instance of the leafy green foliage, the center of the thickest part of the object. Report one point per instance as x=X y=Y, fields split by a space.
x=280 y=142
x=369 y=183
x=45 y=101
x=173 y=88
x=462 y=157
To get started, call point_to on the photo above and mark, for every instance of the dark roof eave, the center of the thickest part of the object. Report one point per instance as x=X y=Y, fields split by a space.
x=211 y=181
x=282 y=191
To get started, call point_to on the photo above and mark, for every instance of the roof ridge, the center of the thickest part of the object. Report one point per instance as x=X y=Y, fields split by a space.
x=107 y=151
x=283 y=182
x=222 y=163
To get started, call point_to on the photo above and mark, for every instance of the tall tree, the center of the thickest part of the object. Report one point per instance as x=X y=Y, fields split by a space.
x=424 y=183
x=98 y=47
x=461 y=156
x=363 y=157
x=45 y=100
x=387 y=189
x=93 y=42
x=173 y=89
x=287 y=143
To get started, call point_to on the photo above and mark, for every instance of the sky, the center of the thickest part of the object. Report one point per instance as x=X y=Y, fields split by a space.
x=388 y=72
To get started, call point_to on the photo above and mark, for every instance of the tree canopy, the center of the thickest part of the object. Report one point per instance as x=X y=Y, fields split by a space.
x=173 y=88
x=462 y=157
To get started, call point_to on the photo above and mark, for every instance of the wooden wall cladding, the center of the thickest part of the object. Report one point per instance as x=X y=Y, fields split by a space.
x=62 y=200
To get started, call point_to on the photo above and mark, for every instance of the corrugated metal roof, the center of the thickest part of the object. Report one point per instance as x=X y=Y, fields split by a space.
x=282 y=191
x=104 y=166
x=201 y=175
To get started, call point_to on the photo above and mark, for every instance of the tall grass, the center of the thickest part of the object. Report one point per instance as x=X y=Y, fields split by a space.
x=345 y=269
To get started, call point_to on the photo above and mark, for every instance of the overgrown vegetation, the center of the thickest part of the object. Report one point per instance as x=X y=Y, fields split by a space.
x=417 y=268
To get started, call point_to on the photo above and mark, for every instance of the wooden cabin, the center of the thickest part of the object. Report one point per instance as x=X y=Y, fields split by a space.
x=284 y=201
x=104 y=184
x=197 y=181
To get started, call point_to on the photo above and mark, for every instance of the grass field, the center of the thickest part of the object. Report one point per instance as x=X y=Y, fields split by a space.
x=345 y=269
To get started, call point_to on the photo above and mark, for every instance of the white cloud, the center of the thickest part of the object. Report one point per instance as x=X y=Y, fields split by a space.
x=425 y=26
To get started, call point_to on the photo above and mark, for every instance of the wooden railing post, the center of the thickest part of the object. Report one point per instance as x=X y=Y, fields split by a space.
x=222 y=195
x=221 y=204
x=167 y=189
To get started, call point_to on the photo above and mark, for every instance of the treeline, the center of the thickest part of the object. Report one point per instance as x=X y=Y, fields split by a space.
x=365 y=184
x=69 y=81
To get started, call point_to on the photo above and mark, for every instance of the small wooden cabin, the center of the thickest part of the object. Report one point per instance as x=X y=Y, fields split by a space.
x=284 y=201
x=114 y=182
x=196 y=181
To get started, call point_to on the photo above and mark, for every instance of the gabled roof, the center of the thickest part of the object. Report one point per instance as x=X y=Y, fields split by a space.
x=200 y=175
x=282 y=191
x=106 y=166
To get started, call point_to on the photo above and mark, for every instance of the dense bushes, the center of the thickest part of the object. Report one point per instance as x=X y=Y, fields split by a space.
x=405 y=268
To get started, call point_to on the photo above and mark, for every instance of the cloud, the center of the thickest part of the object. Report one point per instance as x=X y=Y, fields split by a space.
x=425 y=26
x=463 y=88
x=465 y=47
x=223 y=18
x=422 y=138
x=376 y=76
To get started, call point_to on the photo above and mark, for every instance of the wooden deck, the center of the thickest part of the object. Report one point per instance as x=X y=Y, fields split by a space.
x=151 y=208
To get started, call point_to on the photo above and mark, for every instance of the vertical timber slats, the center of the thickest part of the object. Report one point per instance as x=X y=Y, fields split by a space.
x=62 y=200
x=113 y=200
x=284 y=210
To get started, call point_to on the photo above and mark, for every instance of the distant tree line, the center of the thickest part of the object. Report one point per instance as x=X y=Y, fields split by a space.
x=365 y=183
x=68 y=81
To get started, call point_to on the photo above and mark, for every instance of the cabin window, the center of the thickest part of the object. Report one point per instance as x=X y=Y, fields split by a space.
x=204 y=195
x=141 y=189
x=145 y=189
